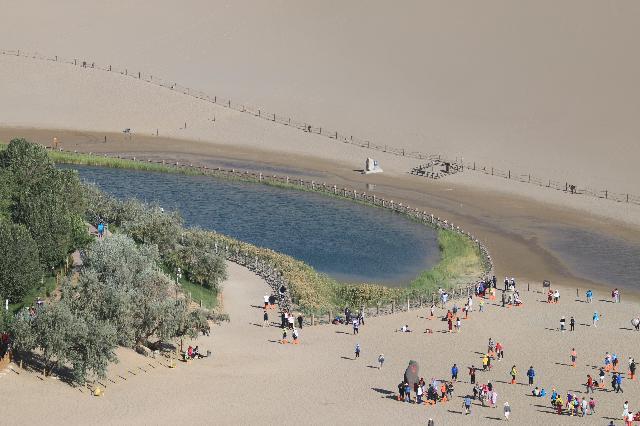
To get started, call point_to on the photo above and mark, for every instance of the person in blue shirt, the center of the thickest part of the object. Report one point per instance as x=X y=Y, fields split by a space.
x=467 y=405
x=618 y=379
x=100 y=229
x=454 y=373
x=531 y=373
x=589 y=296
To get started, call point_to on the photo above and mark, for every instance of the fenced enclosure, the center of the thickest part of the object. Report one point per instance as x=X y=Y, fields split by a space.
x=265 y=268
x=568 y=187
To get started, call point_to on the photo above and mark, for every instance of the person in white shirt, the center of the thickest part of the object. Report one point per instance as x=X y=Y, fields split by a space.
x=266 y=301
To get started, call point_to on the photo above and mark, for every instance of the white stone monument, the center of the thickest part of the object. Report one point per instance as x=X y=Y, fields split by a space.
x=371 y=166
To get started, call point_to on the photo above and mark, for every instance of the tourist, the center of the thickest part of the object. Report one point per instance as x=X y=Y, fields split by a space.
x=531 y=373
x=589 y=296
x=589 y=383
x=419 y=390
x=361 y=317
x=265 y=319
x=592 y=406
x=454 y=373
x=472 y=374
x=356 y=326
x=401 y=391
x=470 y=303
x=481 y=305
x=618 y=385
x=632 y=368
x=266 y=301
x=272 y=301
x=430 y=423
x=291 y=320
x=584 y=406
x=574 y=357
x=347 y=315
x=499 y=351
x=295 y=336
x=357 y=350
x=284 y=336
x=100 y=229
x=513 y=373
x=535 y=392
x=450 y=324
x=458 y=324
x=562 y=324
x=615 y=294
x=493 y=398
x=636 y=323
x=507 y=411
x=601 y=376
x=432 y=310
x=572 y=324
x=625 y=410
x=485 y=362
x=407 y=392
x=300 y=320
x=380 y=361
x=596 y=318
x=466 y=403
x=283 y=319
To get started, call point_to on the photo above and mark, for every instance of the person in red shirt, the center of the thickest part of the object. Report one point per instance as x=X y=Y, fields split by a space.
x=499 y=351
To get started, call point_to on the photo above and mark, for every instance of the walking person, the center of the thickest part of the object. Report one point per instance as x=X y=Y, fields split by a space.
x=507 y=411
x=466 y=403
x=300 y=320
x=618 y=378
x=472 y=374
x=572 y=324
x=356 y=326
x=574 y=357
x=589 y=296
x=265 y=319
x=513 y=373
x=596 y=318
x=357 y=350
x=380 y=361
x=454 y=373
x=499 y=351
x=432 y=310
x=589 y=383
x=562 y=324
x=531 y=373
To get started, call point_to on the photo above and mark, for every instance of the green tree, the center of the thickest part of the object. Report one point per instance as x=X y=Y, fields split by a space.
x=19 y=264
x=49 y=202
x=121 y=284
x=195 y=255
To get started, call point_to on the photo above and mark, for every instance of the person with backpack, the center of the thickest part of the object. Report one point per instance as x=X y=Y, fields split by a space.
x=513 y=373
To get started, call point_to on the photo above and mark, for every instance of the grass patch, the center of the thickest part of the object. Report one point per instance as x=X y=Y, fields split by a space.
x=198 y=293
x=460 y=263
x=44 y=290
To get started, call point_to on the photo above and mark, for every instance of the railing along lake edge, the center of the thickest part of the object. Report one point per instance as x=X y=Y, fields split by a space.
x=266 y=270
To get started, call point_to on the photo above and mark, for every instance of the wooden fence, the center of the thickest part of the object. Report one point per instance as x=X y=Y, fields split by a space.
x=321 y=130
x=266 y=270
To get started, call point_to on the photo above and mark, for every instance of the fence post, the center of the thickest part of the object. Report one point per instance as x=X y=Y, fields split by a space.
x=313 y=319
x=606 y=194
x=627 y=198
x=377 y=308
x=529 y=177
x=566 y=186
x=330 y=316
x=527 y=286
x=492 y=171
x=408 y=304
x=509 y=174
x=474 y=165
x=393 y=306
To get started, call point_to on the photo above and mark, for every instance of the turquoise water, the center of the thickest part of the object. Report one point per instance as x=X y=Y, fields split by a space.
x=348 y=241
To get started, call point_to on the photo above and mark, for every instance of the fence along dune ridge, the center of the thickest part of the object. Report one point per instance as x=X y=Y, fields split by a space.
x=334 y=134
x=262 y=265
